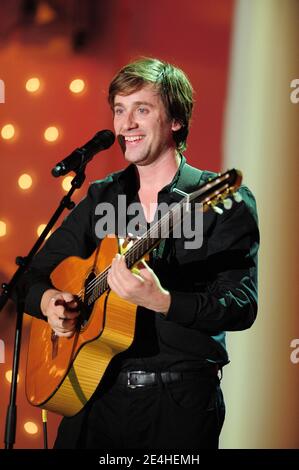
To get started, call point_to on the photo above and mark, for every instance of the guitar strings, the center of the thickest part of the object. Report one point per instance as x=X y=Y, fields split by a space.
x=148 y=235
x=134 y=250
x=138 y=244
x=100 y=281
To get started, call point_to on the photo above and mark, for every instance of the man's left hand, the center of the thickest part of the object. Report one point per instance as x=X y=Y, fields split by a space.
x=142 y=289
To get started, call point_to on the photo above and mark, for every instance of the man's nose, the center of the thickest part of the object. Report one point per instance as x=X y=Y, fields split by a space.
x=130 y=121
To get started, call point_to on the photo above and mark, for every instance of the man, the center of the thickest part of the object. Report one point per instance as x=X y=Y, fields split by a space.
x=163 y=391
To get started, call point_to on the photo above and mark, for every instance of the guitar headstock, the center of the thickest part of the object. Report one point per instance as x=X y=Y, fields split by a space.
x=219 y=190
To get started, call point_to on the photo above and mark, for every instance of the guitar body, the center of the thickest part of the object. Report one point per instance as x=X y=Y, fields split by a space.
x=63 y=373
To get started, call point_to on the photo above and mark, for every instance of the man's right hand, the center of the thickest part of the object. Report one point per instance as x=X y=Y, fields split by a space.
x=61 y=310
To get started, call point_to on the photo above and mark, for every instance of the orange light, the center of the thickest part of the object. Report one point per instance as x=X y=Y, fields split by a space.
x=40 y=229
x=30 y=427
x=33 y=84
x=8 y=131
x=3 y=228
x=44 y=14
x=8 y=376
x=25 y=181
x=77 y=85
x=66 y=183
x=51 y=134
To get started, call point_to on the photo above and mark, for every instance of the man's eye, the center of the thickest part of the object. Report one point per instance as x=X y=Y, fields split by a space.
x=143 y=110
x=118 y=111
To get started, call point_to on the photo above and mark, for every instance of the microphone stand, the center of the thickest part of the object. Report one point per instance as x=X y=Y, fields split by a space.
x=24 y=263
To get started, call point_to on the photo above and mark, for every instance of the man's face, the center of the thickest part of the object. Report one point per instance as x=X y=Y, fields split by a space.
x=142 y=126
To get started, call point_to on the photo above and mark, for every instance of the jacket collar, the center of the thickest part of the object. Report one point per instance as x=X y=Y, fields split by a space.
x=128 y=180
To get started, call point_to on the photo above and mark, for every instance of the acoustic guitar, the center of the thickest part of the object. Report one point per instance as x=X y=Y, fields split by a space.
x=63 y=373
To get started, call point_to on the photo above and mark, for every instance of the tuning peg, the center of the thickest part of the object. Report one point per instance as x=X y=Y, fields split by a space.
x=237 y=197
x=217 y=209
x=227 y=203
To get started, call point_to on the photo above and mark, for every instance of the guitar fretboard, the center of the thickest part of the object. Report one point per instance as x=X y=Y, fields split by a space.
x=214 y=190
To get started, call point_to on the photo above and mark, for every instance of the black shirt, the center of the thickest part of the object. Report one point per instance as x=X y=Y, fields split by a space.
x=213 y=288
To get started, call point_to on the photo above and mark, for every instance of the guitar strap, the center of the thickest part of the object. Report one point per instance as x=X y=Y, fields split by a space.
x=188 y=181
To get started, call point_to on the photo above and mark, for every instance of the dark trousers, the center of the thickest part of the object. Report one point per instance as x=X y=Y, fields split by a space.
x=180 y=415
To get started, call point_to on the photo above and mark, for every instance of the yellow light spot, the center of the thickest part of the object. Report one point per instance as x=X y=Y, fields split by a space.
x=77 y=85
x=45 y=14
x=40 y=229
x=30 y=427
x=3 y=228
x=25 y=181
x=7 y=131
x=66 y=183
x=33 y=84
x=8 y=376
x=51 y=134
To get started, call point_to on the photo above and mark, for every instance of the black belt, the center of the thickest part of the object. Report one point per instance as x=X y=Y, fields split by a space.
x=141 y=378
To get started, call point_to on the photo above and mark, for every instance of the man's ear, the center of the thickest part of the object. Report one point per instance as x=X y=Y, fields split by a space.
x=176 y=125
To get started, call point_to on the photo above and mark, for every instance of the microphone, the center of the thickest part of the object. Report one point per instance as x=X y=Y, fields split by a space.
x=82 y=155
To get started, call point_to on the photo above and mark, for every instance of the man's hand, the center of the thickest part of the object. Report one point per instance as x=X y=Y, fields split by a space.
x=142 y=289
x=61 y=310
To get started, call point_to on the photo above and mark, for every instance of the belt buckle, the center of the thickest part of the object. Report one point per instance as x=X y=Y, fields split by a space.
x=135 y=372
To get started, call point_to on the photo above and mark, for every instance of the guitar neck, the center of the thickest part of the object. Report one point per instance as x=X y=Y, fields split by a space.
x=213 y=192
x=142 y=246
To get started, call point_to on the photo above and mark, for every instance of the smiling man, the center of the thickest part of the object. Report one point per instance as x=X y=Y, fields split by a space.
x=163 y=392
x=145 y=130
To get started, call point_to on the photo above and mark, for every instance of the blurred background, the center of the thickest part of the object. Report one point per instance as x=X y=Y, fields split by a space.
x=242 y=57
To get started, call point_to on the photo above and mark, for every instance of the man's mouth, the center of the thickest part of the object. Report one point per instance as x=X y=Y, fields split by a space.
x=132 y=139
